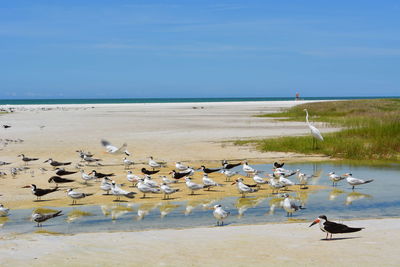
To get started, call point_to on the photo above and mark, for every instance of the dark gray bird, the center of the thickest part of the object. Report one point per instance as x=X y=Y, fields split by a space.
x=62 y=172
x=333 y=228
x=59 y=180
x=55 y=163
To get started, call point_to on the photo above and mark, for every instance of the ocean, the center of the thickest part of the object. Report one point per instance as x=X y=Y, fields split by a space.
x=165 y=100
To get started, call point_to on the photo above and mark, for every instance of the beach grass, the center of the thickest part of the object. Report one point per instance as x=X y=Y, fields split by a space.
x=370 y=130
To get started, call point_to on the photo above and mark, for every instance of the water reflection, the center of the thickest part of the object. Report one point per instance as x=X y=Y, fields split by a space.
x=167 y=208
x=335 y=193
x=115 y=210
x=76 y=214
x=242 y=204
x=144 y=209
x=193 y=204
x=354 y=196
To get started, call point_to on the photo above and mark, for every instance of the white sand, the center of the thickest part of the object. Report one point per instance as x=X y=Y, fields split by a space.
x=292 y=244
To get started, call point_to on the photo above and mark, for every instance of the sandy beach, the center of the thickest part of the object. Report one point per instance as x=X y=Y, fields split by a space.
x=293 y=244
x=195 y=134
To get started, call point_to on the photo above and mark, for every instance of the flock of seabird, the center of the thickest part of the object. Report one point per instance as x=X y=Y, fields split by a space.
x=144 y=183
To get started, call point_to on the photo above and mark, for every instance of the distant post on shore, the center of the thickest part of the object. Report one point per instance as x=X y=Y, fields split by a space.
x=297 y=97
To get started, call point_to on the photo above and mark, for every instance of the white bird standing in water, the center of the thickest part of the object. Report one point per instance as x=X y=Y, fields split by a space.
x=220 y=214
x=3 y=211
x=314 y=131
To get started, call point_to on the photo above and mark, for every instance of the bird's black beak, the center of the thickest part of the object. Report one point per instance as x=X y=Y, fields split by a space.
x=314 y=222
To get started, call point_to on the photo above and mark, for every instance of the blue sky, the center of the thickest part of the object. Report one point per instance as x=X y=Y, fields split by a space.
x=96 y=49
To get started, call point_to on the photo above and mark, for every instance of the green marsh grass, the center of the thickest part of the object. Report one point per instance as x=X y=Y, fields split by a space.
x=371 y=130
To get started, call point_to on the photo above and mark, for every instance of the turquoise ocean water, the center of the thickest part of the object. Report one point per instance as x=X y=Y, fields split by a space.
x=163 y=100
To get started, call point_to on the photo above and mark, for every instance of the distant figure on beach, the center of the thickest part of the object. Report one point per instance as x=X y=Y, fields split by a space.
x=297 y=96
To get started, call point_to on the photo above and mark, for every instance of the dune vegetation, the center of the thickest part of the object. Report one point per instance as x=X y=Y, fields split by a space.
x=370 y=130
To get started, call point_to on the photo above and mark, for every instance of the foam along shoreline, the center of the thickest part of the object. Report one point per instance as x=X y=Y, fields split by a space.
x=289 y=244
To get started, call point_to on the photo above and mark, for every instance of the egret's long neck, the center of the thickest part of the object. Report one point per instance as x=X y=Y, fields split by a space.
x=307 y=117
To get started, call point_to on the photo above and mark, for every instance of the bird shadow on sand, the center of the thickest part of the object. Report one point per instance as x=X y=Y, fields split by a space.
x=43 y=200
x=340 y=238
x=171 y=198
x=77 y=204
x=225 y=224
x=116 y=200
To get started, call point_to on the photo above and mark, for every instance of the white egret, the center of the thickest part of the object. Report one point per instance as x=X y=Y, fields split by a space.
x=314 y=131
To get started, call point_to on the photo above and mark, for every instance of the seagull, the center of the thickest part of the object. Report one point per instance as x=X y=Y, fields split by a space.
x=208 y=170
x=56 y=163
x=207 y=181
x=180 y=166
x=243 y=188
x=113 y=149
x=355 y=181
x=259 y=180
x=167 y=190
x=86 y=177
x=101 y=175
x=275 y=185
x=333 y=228
x=132 y=178
x=106 y=185
x=127 y=163
x=3 y=211
x=145 y=188
x=228 y=174
x=193 y=186
x=154 y=164
x=26 y=159
x=59 y=180
x=90 y=159
x=290 y=205
x=220 y=214
x=303 y=179
x=150 y=182
x=166 y=180
x=148 y=172
x=76 y=195
x=118 y=192
x=62 y=172
x=39 y=217
x=38 y=192
x=285 y=181
x=248 y=169
x=228 y=166
x=335 y=178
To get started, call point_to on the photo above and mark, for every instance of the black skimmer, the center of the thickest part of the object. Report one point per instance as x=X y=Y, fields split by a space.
x=115 y=150
x=55 y=163
x=2 y=163
x=208 y=170
x=278 y=165
x=333 y=228
x=39 y=192
x=26 y=159
x=179 y=175
x=228 y=166
x=76 y=195
x=59 y=180
x=355 y=181
x=39 y=217
x=101 y=175
x=62 y=172
x=6 y=126
x=148 y=172
x=220 y=214
x=167 y=190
